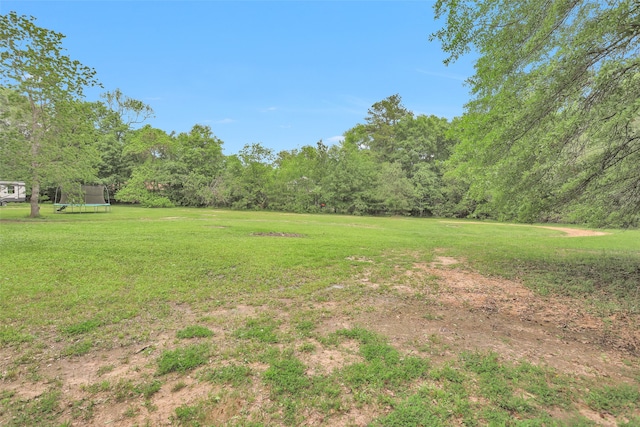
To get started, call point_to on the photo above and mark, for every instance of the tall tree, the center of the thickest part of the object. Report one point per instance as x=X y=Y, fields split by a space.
x=198 y=165
x=297 y=182
x=119 y=117
x=380 y=127
x=253 y=175
x=555 y=111
x=351 y=176
x=151 y=176
x=32 y=64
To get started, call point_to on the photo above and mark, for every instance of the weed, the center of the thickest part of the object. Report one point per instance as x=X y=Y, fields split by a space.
x=183 y=359
x=195 y=331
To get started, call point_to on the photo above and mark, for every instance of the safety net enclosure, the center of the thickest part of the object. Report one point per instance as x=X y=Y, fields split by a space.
x=82 y=198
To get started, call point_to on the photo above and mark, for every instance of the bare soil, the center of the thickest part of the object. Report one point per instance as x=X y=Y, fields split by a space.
x=569 y=232
x=442 y=302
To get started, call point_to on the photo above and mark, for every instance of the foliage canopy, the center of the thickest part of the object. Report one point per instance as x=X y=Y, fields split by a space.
x=555 y=115
x=51 y=135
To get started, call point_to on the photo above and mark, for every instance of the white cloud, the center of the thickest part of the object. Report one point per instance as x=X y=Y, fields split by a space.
x=266 y=110
x=335 y=139
x=224 y=121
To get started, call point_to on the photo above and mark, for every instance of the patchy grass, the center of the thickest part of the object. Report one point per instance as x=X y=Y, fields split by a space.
x=300 y=322
x=261 y=329
x=615 y=400
x=11 y=336
x=81 y=327
x=183 y=359
x=194 y=331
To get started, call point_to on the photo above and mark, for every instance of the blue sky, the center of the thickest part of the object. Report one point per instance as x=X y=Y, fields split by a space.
x=281 y=73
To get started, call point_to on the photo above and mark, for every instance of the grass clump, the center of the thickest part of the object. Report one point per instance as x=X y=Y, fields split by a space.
x=98 y=387
x=235 y=375
x=194 y=331
x=261 y=329
x=415 y=412
x=305 y=327
x=148 y=388
x=40 y=411
x=79 y=348
x=384 y=366
x=183 y=359
x=188 y=415
x=178 y=386
x=286 y=375
x=81 y=327
x=12 y=336
x=614 y=400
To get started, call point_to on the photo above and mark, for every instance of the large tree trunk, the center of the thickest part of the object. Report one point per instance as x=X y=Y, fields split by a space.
x=35 y=196
x=35 y=181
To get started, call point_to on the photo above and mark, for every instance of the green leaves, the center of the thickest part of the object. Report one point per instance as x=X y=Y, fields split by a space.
x=50 y=139
x=31 y=61
x=555 y=112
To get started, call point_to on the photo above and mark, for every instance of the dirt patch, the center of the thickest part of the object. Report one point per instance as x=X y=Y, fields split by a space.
x=444 y=261
x=326 y=360
x=569 y=232
x=468 y=311
x=277 y=234
x=434 y=310
x=576 y=232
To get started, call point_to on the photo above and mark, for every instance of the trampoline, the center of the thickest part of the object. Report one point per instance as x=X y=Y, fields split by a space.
x=83 y=198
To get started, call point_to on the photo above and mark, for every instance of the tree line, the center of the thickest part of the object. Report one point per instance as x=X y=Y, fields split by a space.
x=392 y=164
x=552 y=131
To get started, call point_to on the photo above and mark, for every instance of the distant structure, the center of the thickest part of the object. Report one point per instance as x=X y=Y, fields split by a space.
x=83 y=198
x=12 y=191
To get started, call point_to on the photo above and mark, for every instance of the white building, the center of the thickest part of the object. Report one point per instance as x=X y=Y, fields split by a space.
x=12 y=191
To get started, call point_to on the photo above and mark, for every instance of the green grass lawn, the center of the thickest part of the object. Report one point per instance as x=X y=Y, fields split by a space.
x=90 y=283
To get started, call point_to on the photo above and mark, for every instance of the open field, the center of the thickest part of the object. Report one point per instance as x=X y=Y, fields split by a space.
x=204 y=317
